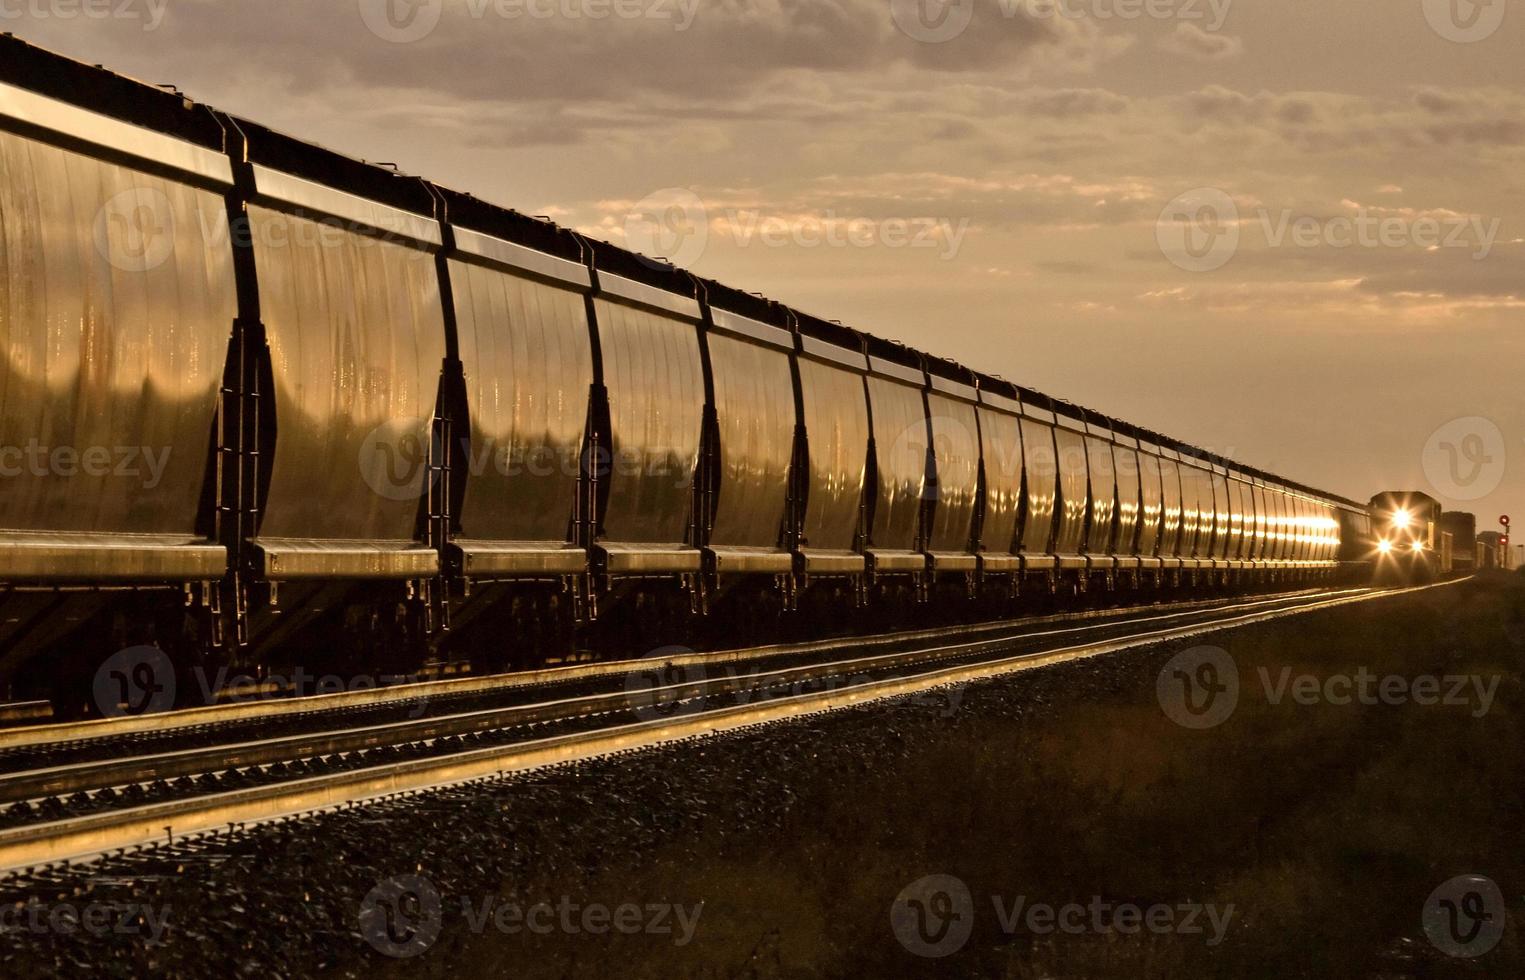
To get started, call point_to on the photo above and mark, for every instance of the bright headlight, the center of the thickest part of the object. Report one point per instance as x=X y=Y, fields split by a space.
x=1418 y=546
x=1384 y=546
x=1403 y=519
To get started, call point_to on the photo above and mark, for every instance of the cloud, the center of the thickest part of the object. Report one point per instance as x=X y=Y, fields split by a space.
x=1190 y=41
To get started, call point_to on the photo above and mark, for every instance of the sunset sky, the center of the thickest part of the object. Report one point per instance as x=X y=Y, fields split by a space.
x=1007 y=189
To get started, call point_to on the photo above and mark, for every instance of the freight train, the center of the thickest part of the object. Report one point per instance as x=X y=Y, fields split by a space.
x=263 y=402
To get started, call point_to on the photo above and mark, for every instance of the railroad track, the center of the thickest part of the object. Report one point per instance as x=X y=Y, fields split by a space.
x=42 y=746
x=79 y=810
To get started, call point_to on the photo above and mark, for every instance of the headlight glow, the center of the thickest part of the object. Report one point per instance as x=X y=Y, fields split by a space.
x=1418 y=547
x=1403 y=519
x=1384 y=546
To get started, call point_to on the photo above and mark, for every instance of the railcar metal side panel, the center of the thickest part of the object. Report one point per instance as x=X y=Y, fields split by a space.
x=1128 y=492
x=1103 y=529
x=1247 y=528
x=1073 y=490
x=754 y=398
x=1272 y=551
x=1280 y=508
x=528 y=364
x=1001 y=447
x=1223 y=517
x=1040 y=462
x=356 y=335
x=116 y=304
x=956 y=441
x=900 y=443
x=836 y=420
x=1190 y=515
x=655 y=379
x=1172 y=525
x=1195 y=512
x=1242 y=512
x=1355 y=536
x=1152 y=506
x=1262 y=523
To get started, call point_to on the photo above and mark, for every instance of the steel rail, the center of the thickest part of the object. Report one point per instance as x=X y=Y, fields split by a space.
x=404 y=694
x=101 y=774
x=88 y=837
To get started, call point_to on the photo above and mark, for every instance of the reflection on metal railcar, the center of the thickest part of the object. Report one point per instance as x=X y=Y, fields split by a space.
x=377 y=423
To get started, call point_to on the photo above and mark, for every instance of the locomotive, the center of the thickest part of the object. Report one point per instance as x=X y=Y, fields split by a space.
x=1407 y=525
x=265 y=404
